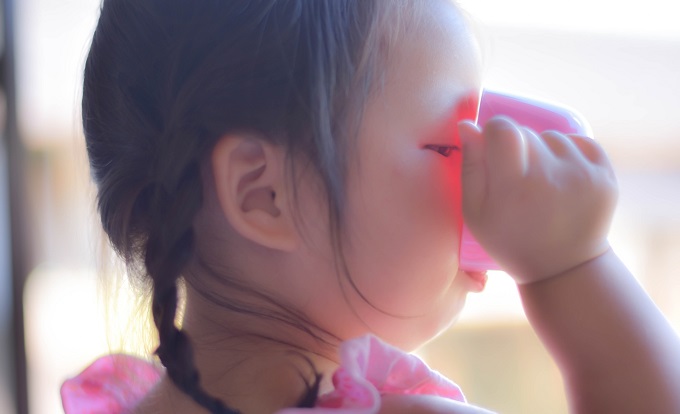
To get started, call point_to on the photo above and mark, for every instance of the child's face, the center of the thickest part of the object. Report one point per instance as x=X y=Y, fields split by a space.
x=403 y=210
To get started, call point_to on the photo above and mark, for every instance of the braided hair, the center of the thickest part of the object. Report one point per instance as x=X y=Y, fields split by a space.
x=165 y=79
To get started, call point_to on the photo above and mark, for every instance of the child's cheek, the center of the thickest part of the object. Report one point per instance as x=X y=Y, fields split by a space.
x=453 y=183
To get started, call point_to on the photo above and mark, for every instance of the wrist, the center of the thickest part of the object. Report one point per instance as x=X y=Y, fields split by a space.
x=544 y=273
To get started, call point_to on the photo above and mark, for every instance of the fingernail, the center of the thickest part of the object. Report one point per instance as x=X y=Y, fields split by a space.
x=468 y=128
x=466 y=123
x=503 y=122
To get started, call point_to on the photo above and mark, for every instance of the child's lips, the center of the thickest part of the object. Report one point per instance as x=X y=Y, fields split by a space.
x=478 y=280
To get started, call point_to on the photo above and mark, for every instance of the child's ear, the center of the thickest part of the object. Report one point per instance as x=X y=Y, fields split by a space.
x=253 y=191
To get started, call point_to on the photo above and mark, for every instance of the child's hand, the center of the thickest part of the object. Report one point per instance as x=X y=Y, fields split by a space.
x=539 y=205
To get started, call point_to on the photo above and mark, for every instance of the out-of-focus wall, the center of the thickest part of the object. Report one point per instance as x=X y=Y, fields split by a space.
x=627 y=87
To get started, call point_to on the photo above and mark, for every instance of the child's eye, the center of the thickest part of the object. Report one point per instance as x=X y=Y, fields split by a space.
x=444 y=150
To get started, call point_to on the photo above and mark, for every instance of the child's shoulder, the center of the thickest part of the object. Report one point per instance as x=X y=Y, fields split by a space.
x=425 y=404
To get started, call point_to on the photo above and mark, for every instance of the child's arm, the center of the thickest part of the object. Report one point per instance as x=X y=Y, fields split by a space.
x=541 y=206
x=615 y=350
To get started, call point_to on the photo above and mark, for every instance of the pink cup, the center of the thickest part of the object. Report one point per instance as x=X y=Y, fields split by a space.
x=537 y=115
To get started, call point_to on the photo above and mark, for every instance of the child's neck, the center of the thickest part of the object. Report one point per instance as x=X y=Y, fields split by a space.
x=260 y=367
x=261 y=384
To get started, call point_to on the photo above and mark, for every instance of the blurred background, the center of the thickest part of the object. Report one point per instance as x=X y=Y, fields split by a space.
x=618 y=63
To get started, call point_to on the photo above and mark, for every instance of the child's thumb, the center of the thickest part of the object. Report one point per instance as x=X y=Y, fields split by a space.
x=473 y=174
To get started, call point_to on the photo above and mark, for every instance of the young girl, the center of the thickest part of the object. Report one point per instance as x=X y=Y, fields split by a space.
x=297 y=166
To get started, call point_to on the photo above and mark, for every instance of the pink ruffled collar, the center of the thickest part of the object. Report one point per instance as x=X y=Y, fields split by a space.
x=369 y=368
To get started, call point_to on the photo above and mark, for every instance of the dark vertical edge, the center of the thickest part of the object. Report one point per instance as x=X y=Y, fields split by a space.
x=20 y=258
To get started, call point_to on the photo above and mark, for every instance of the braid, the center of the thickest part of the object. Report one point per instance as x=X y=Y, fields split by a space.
x=170 y=245
x=176 y=354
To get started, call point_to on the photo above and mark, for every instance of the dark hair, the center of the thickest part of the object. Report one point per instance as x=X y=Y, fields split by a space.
x=164 y=79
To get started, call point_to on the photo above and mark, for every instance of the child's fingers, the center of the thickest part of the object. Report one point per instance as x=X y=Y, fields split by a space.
x=471 y=138
x=505 y=148
x=538 y=152
x=561 y=145
x=473 y=174
x=590 y=149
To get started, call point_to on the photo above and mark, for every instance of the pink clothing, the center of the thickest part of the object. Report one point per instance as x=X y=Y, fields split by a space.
x=113 y=384
x=368 y=369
